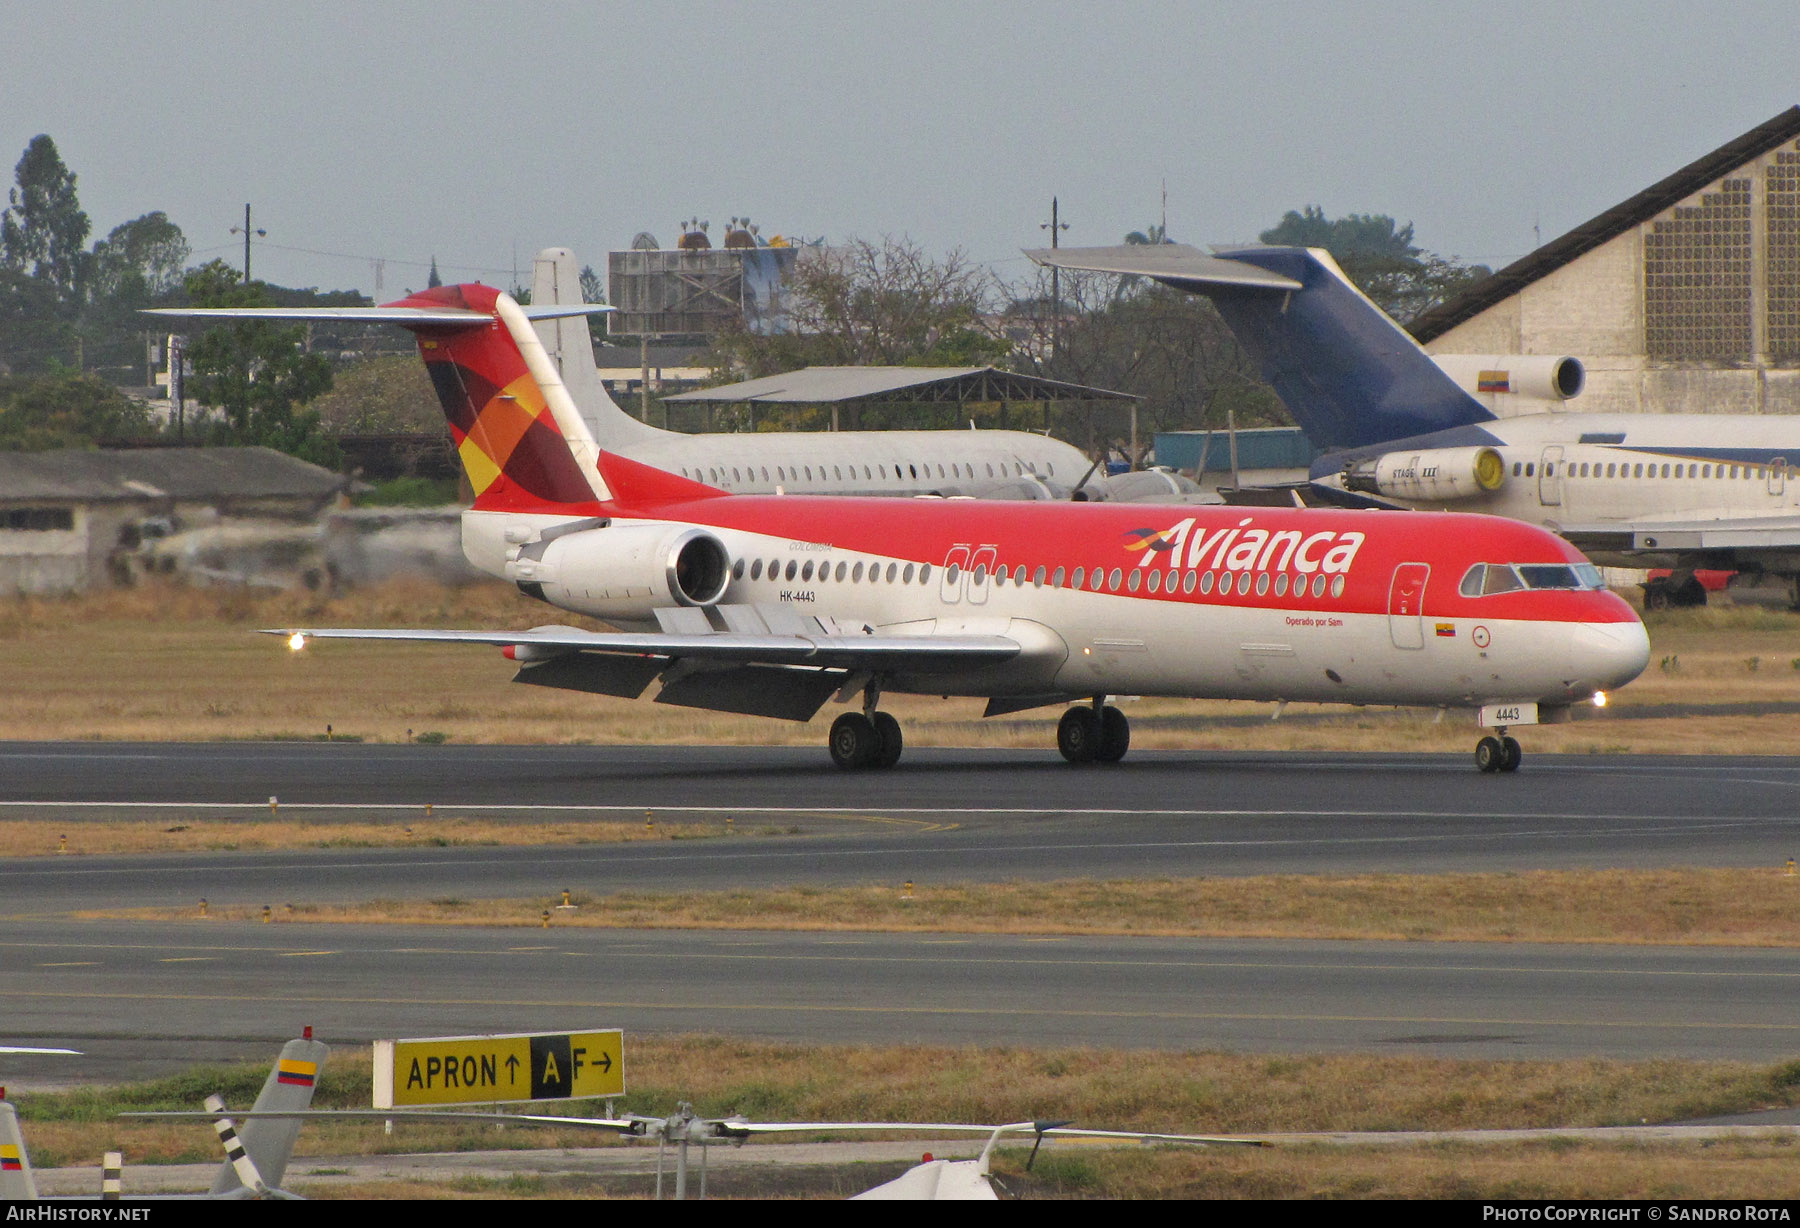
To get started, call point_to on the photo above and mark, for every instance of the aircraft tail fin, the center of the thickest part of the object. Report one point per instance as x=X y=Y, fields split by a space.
x=1347 y=372
x=16 y=1182
x=521 y=440
x=556 y=281
x=269 y=1141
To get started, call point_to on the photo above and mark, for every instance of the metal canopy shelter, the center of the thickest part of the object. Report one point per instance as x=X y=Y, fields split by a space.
x=859 y=386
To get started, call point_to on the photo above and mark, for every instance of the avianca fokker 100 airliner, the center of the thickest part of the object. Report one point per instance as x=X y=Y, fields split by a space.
x=771 y=604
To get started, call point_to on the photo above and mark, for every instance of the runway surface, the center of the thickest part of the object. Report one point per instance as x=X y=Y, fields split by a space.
x=92 y=986
x=941 y=816
x=154 y=996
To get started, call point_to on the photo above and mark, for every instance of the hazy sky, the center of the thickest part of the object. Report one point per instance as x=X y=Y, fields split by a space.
x=481 y=132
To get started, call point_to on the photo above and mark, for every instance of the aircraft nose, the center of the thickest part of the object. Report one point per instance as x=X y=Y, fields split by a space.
x=1612 y=654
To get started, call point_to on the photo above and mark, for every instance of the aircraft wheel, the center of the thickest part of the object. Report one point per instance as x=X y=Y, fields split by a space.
x=1078 y=735
x=1490 y=753
x=854 y=742
x=888 y=730
x=1115 y=736
x=1513 y=754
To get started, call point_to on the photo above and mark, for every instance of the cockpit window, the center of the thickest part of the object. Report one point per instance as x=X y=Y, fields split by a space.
x=1486 y=579
x=1500 y=579
x=1560 y=575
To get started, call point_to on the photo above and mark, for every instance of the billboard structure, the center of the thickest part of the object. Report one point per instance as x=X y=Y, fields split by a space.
x=684 y=293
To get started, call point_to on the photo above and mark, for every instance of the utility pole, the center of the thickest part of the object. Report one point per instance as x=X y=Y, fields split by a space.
x=1055 y=226
x=247 y=232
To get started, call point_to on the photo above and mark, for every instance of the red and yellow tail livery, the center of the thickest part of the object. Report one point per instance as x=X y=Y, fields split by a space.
x=520 y=453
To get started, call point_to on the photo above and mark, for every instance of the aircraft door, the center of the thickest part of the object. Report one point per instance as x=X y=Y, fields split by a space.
x=1406 y=605
x=950 y=583
x=981 y=574
x=1778 y=475
x=1550 y=477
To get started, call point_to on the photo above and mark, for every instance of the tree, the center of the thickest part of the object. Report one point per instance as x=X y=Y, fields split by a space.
x=1130 y=334
x=43 y=228
x=66 y=411
x=1378 y=255
x=385 y=395
x=863 y=303
x=1149 y=237
x=140 y=260
x=593 y=292
x=256 y=373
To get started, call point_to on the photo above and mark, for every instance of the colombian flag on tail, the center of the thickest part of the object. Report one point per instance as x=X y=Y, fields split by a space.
x=296 y=1074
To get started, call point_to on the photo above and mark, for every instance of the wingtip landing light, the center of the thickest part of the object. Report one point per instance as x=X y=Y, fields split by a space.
x=297 y=641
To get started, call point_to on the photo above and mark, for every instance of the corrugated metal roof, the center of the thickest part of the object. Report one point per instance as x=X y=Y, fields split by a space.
x=829 y=385
x=150 y=473
x=1607 y=226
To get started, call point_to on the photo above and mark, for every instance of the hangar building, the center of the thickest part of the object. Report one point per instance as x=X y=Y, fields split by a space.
x=1683 y=299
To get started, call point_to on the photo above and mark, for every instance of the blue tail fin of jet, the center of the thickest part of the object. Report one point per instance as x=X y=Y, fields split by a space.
x=1350 y=375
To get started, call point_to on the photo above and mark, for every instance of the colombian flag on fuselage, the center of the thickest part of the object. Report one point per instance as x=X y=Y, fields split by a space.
x=297 y=1074
x=9 y=1159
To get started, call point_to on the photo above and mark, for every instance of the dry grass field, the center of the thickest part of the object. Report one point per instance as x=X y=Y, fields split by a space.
x=179 y=663
x=1236 y=1094
x=1694 y=907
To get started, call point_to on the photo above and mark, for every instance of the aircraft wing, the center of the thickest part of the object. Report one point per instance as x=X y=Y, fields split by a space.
x=1175 y=264
x=1739 y=539
x=938 y=653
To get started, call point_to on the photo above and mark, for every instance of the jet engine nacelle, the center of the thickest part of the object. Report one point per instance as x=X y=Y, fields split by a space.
x=1531 y=377
x=624 y=571
x=1442 y=475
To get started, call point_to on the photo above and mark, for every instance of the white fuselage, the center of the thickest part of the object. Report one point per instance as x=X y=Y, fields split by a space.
x=1121 y=639
x=1589 y=469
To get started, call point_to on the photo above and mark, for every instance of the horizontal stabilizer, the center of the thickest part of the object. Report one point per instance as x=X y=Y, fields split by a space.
x=405 y=317
x=1175 y=263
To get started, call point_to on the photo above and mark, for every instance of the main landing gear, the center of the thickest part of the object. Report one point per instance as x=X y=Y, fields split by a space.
x=1093 y=734
x=1498 y=754
x=866 y=739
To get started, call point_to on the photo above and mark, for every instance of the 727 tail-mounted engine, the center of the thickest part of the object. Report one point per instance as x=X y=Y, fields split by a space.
x=1443 y=475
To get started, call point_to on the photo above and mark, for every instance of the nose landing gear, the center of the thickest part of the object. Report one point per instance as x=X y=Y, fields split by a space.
x=1498 y=754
